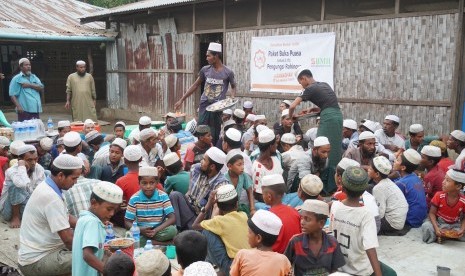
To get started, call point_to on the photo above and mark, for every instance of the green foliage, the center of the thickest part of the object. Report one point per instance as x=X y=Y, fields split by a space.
x=109 y=3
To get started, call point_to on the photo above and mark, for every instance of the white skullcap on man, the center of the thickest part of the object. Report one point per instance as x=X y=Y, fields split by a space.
x=311 y=185
x=108 y=191
x=132 y=153
x=228 y=111
x=145 y=120
x=288 y=138
x=260 y=128
x=272 y=179
x=200 y=269
x=15 y=145
x=80 y=62
x=393 y=118
x=233 y=134
x=346 y=162
x=216 y=155
x=287 y=102
x=366 y=135
x=382 y=164
x=285 y=113
x=458 y=134
x=46 y=143
x=415 y=128
x=321 y=141
x=170 y=158
x=64 y=123
x=239 y=113
x=267 y=221
x=431 y=151
x=350 y=124
x=120 y=143
x=370 y=125
x=171 y=140
x=214 y=47
x=89 y=122
x=21 y=60
x=248 y=104
x=26 y=148
x=316 y=206
x=148 y=171
x=68 y=162
x=225 y=193
x=71 y=139
x=146 y=133
x=152 y=262
x=92 y=135
x=251 y=117
x=120 y=123
x=412 y=156
x=456 y=175
x=260 y=117
x=265 y=136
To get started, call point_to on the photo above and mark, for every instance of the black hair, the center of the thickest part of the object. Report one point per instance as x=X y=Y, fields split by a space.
x=268 y=240
x=172 y=149
x=364 y=128
x=175 y=167
x=235 y=158
x=459 y=183
x=319 y=217
x=96 y=198
x=142 y=127
x=395 y=123
x=201 y=134
x=120 y=148
x=353 y=194
x=232 y=144
x=228 y=127
x=60 y=129
x=55 y=171
x=174 y=127
x=228 y=206
x=339 y=171
x=434 y=159
x=286 y=105
x=119 y=125
x=218 y=166
x=409 y=167
x=382 y=175
x=168 y=270
x=119 y=264
x=306 y=73
x=265 y=146
x=238 y=120
x=156 y=178
x=191 y=247
x=278 y=189
x=72 y=149
x=96 y=141
x=219 y=54
x=24 y=154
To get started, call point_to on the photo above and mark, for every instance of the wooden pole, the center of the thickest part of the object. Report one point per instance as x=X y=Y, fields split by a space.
x=457 y=87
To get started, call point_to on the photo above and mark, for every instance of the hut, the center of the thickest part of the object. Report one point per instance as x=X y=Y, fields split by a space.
x=402 y=57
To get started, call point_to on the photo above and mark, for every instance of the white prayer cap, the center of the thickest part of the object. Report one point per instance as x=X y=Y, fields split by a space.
x=228 y=123
x=64 y=123
x=230 y=155
x=146 y=133
x=260 y=117
x=346 y=162
x=145 y=120
x=132 y=153
x=320 y=141
x=287 y=102
x=199 y=268
x=349 y=123
x=228 y=111
x=316 y=206
x=71 y=139
x=311 y=184
x=260 y=128
x=285 y=113
x=225 y=193
x=120 y=123
x=416 y=128
x=152 y=262
x=92 y=135
x=248 y=104
x=382 y=164
x=234 y=134
x=251 y=117
x=458 y=134
x=46 y=143
x=80 y=62
x=214 y=47
x=266 y=136
x=120 y=143
x=108 y=191
x=393 y=118
x=4 y=142
x=26 y=148
x=431 y=151
x=15 y=145
x=22 y=60
x=412 y=156
x=171 y=140
x=148 y=171
x=60 y=141
x=170 y=114
x=378 y=126
x=216 y=155
x=370 y=125
x=89 y=122
x=239 y=113
x=267 y=221
x=272 y=179
x=136 y=137
x=170 y=158
x=288 y=138
x=456 y=175
x=299 y=71
x=68 y=162
x=366 y=135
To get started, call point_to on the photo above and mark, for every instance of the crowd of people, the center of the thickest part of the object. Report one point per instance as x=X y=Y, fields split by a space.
x=235 y=196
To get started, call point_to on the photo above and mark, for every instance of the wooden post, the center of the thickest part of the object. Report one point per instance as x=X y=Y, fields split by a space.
x=224 y=32
x=397 y=7
x=457 y=86
x=323 y=7
x=90 y=60
x=259 y=13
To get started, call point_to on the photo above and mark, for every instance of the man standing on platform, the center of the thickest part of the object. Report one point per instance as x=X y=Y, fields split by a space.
x=217 y=78
x=80 y=94
x=25 y=89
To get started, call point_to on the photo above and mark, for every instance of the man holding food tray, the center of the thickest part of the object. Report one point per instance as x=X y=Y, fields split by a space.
x=217 y=78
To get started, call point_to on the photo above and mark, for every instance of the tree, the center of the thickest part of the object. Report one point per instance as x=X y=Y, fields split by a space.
x=108 y=3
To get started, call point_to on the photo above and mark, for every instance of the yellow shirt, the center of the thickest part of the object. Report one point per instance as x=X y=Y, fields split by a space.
x=232 y=229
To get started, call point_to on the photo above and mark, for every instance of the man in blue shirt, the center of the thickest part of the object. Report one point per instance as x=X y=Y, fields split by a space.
x=25 y=89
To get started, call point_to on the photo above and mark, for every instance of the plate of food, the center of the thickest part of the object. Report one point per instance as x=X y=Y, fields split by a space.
x=120 y=243
x=222 y=105
x=450 y=233
x=307 y=115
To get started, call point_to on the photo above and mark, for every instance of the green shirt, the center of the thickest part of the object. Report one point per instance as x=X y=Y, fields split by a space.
x=244 y=182
x=178 y=182
x=426 y=141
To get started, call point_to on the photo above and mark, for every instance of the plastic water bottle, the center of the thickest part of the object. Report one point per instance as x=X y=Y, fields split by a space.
x=32 y=130
x=21 y=131
x=110 y=233
x=15 y=126
x=135 y=231
x=50 y=125
x=148 y=246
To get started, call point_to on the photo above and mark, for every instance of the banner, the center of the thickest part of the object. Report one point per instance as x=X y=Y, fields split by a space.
x=275 y=60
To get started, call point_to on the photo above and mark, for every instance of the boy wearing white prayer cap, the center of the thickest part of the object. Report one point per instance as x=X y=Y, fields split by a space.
x=446 y=218
x=314 y=214
x=287 y=125
x=177 y=179
x=89 y=234
x=217 y=78
x=430 y=157
x=388 y=137
x=456 y=142
x=43 y=152
x=264 y=228
x=411 y=186
x=151 y=209
x=226 y=233
x=248 y=107
x=205 y=177
x=153 y=263
x=46 y=228
x=232 y=145
x=20 y=181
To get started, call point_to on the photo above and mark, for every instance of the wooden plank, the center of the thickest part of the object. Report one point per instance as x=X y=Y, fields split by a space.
x=323 y=9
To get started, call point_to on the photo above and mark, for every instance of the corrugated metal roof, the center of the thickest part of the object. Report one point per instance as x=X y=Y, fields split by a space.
x=51 y=19
x=134 y=7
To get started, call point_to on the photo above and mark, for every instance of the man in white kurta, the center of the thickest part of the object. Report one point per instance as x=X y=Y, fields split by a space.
x=80 y=93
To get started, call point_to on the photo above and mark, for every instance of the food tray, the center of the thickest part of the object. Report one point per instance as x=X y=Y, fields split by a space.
x=120 y=243
x=306 y=116
x=449 y=233
x=222 y=105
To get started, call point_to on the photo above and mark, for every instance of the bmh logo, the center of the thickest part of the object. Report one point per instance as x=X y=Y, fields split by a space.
x=259 y=59
x=320 y=62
